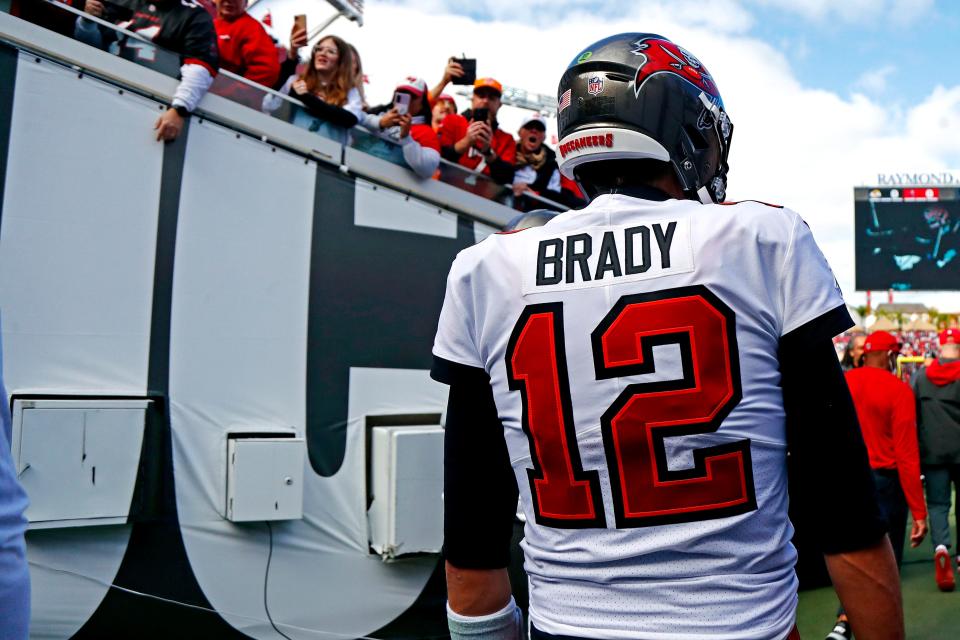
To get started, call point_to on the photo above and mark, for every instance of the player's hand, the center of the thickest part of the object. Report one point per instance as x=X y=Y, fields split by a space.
x=918 y=533
x=298 y=39
x=452 y=70
x=94 y=8
x=169 y=125
x=300 y=87
x=406 y=120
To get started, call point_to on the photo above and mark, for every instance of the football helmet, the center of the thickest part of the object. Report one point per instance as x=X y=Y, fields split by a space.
x=639 y=95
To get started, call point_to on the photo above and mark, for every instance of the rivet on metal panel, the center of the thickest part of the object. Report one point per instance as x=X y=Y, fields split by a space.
x=288 y=481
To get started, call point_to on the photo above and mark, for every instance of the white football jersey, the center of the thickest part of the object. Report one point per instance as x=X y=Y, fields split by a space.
x=632 y=351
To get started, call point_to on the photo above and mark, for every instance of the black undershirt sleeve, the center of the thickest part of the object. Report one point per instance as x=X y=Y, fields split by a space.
x=479 y=486
x=832 y=494
x=326 y=111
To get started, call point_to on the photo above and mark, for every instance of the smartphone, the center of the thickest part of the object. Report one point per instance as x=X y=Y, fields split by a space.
x=300 y=22
x=401 y=102
x=469 y=71
x=481 y=114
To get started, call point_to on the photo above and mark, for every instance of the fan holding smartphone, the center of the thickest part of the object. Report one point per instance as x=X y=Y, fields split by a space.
x=475 y=140
x=407 y=122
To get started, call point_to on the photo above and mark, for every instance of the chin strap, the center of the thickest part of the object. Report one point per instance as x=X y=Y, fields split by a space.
x=703 y=195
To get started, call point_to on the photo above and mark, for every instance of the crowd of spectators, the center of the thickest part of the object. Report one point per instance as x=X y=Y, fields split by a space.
x=418 y=127
x=922 y=344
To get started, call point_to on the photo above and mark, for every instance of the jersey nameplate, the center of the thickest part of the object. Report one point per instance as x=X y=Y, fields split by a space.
x=602 y=256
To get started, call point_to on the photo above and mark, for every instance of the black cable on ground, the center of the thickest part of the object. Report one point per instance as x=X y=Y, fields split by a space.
x=266 y=581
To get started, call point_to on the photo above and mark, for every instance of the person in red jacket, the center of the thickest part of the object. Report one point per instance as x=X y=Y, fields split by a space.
x=887 y=413
x=479 y=143
x=245 y=48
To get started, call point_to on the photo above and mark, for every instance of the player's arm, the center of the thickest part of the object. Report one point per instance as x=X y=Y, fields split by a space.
x=480 y=502
x=832 y=490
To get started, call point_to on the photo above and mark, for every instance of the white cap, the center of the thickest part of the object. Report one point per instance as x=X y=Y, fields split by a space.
x=534 y=117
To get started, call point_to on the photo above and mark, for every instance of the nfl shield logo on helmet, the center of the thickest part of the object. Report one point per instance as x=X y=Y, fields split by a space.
x=595 y=85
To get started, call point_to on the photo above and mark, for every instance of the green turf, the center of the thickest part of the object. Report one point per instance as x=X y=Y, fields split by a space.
x=929 y=614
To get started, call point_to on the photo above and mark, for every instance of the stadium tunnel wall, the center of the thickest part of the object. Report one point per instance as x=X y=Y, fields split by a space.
x=249 y=275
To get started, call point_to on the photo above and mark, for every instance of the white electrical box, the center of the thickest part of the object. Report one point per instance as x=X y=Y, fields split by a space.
x=264 y=478
x=78 y=459
x=406 y=515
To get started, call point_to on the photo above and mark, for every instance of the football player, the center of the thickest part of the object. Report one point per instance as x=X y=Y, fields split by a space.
x=639 y=370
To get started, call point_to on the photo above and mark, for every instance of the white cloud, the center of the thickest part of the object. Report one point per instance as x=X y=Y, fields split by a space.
x=862 y=11
x=724 y=15
x=793 y=145
x=874 y=81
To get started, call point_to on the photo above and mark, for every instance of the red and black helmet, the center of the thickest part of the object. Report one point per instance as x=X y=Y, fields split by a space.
x=640 y=96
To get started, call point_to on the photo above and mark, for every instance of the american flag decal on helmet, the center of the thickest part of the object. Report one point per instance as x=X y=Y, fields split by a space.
x=564 y=101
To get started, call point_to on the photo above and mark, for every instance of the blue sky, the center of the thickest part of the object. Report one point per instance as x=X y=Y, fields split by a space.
x=921 y=51
x=891 y=49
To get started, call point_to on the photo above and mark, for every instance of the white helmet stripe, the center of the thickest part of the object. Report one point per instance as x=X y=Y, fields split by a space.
x=607 y=143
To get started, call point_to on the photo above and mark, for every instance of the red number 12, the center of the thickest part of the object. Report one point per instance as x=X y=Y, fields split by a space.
x=645 y=491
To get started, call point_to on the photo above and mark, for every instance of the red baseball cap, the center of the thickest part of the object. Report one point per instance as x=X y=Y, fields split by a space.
x=950 y=336
x=446 y=97
x=881 y=341
x=414 y=85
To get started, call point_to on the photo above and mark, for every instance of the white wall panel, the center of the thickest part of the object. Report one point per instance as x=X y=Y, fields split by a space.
x=384 y=208
x=76 y=283
x=238 y=344
x=78 y=235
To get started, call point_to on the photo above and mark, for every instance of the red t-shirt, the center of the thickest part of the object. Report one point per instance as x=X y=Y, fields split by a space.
x=426 y=136
x=247 y=50
x=888 y=419
x=454 y=128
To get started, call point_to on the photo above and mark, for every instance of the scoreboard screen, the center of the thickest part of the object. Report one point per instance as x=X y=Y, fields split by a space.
x=907 y=238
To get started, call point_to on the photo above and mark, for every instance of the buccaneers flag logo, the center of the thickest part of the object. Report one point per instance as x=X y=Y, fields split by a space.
x=662 y=56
